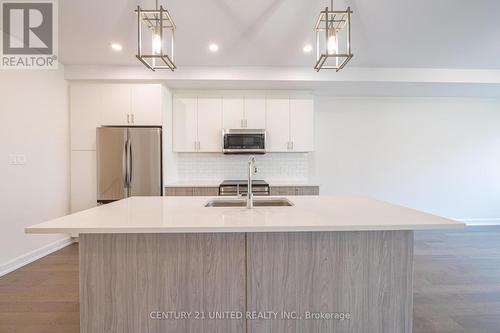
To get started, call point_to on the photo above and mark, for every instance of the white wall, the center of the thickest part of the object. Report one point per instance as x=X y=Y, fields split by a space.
x=440 y=155
x=33 y=122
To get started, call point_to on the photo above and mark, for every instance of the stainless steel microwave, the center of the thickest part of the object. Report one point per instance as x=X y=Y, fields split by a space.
x=244 y=141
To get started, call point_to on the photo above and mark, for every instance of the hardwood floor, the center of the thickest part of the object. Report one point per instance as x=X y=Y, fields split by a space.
x=457 y=281
x=457 y=287
x=42 y=297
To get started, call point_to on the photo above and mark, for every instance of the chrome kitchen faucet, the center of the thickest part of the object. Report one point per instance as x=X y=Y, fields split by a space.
x=252 y=170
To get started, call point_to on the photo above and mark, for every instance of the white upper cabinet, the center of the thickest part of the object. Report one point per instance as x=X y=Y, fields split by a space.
x=301 y=124
x=115 y=108
x=290 y=124
x=95 y=104
x=210 y=124
x=146 y=105
x=197 y=124
x=233 y=115
x=244 y=112
x=185 y=121
x=131 y=104
x=288 y=120
x=278 y=124
x=255 y=112
x=85 y=115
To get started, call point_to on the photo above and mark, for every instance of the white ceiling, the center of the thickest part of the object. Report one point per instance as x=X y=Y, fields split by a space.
x=386 y=33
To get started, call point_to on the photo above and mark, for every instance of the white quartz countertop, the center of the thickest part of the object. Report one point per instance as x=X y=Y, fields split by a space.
x=188 y=215
x=216 y=183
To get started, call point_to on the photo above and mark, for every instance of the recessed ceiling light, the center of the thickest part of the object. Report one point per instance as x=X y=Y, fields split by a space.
x=307 y=48
x=213 y=47
x=116 y=46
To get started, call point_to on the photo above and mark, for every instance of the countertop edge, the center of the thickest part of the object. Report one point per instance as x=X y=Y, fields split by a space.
x=121 y=230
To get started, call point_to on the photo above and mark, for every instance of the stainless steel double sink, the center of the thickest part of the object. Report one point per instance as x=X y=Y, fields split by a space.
x=257 y=202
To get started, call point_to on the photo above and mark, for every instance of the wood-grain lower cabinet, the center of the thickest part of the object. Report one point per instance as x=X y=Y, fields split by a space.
x=294 y=190
x=214 y=191
x=191 y=191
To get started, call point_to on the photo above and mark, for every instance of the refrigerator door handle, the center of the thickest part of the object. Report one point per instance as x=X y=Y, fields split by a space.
x=130 y=163
x=125 y=165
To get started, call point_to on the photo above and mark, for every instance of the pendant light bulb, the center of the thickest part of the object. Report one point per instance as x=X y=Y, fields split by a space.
x=332 y=43
x=156 y=42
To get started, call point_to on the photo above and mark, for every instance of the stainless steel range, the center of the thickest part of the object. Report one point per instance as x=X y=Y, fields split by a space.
x=240 y=188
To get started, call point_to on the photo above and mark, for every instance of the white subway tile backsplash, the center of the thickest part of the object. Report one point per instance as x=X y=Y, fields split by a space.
x=199 y=166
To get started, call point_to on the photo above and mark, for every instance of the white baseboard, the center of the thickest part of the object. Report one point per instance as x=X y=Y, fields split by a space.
x=34 y=255
x=472 y=222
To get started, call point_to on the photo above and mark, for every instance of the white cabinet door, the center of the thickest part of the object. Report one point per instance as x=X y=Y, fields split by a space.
x=209 y=124
x=302 y=124
x=83 y=180
x=185 y=121
x=255 y=112
x=232 y=112
x=277 y=124
x=146 y=105
x=85 y=115
x=116 y=100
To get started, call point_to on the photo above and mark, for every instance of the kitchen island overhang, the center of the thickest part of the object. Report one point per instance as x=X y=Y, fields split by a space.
x=325 y=264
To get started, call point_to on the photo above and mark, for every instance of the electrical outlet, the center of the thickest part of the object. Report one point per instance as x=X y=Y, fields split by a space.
x=21 y=159
x=17 y=159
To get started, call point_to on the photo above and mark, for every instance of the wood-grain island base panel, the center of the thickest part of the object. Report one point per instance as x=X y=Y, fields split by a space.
x=365 y=276
x=125 y=277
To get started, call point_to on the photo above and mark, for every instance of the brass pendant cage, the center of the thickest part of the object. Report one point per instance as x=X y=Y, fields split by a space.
x=157 y=22
x=333 y=27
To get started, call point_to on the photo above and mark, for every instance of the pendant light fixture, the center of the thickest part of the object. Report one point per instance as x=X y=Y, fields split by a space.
x=159 y=31
x=333 y=39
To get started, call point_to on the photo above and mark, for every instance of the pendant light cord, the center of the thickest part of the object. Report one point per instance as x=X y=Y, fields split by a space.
x=157 y=23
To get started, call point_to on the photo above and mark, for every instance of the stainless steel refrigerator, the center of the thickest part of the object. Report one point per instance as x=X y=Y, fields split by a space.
x=129 y=162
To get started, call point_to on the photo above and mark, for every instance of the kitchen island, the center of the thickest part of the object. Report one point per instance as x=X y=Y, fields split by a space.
x=170 y=264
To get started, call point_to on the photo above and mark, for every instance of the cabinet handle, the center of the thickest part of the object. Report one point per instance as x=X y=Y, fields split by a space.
x=128 y=118
x=198 y=145
x=195 y=145
x=291 y=144
x=242 y=123
x=132 y=117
